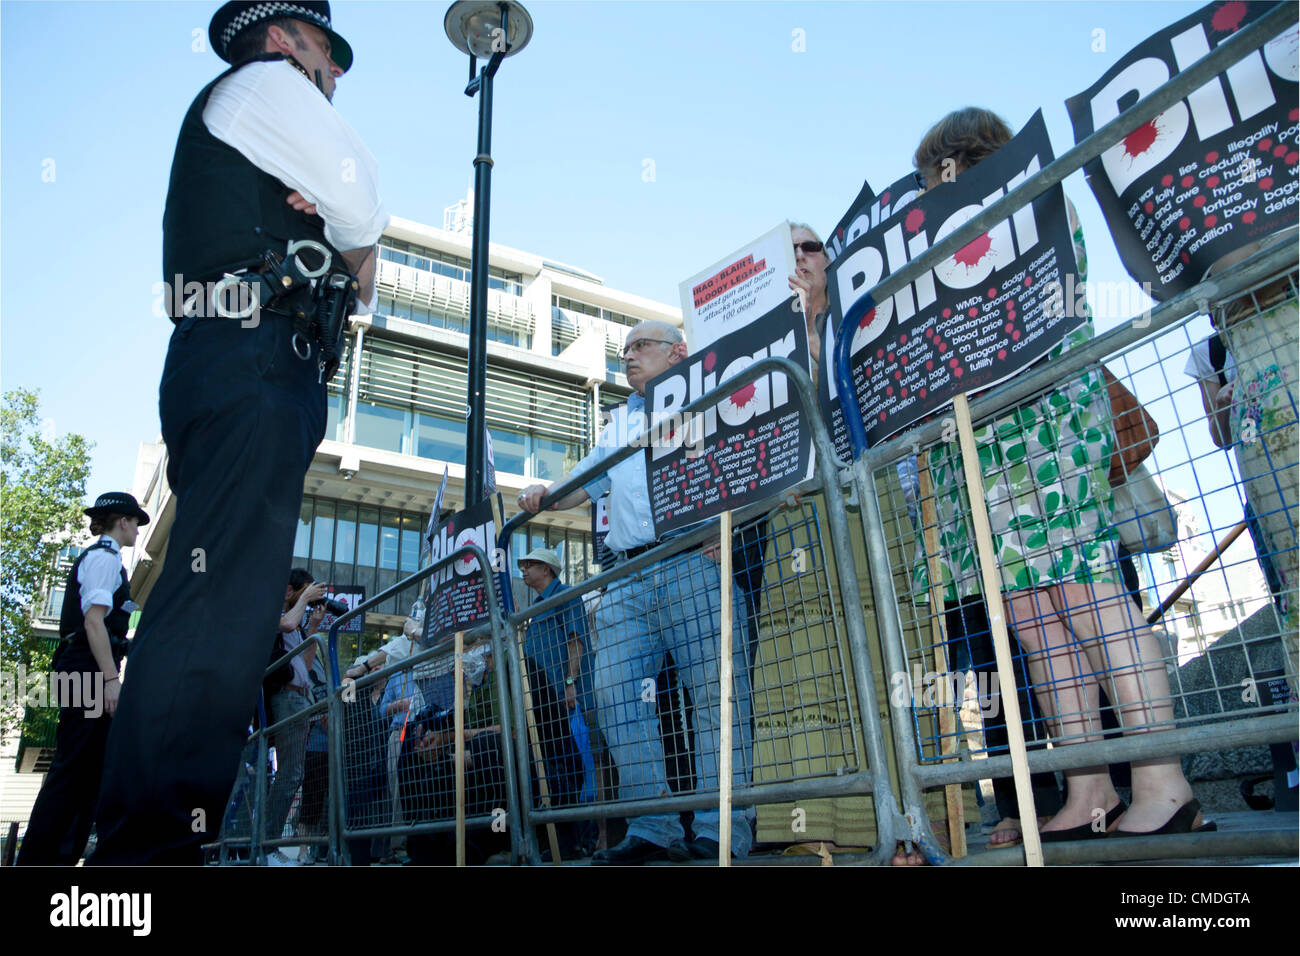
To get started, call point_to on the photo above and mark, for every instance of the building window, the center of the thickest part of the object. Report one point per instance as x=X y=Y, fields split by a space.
x=411 y=400
x=585 y=308
x=440 y=438
x=380 y=426
x=445 y=264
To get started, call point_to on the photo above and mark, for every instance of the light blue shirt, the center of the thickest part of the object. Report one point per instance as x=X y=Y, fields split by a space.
x=631 y=522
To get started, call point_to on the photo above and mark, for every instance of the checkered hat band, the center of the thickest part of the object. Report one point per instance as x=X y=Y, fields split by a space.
x=265 y=11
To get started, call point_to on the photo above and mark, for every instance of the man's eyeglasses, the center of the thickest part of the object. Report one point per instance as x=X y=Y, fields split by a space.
x=810 y=246
x=640 y=345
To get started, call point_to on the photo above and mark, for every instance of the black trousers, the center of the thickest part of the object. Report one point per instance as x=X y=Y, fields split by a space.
x=60 y=822
x=242 y=417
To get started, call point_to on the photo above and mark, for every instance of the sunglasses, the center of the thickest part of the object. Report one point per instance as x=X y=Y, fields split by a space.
x=811 y=247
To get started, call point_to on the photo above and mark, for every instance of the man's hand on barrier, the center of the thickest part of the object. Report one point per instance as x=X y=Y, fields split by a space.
x=712 y=548
x=296 y=200
x=570 y=696
x=530 y=499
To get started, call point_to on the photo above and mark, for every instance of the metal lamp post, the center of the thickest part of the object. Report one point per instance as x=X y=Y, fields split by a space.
x=490 y=30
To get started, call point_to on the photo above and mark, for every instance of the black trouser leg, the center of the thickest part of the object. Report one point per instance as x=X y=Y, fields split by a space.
x=241 y=416
x=60 y=822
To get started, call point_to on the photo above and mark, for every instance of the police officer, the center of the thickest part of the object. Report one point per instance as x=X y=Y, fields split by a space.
x=273 y=200
x=92 y=628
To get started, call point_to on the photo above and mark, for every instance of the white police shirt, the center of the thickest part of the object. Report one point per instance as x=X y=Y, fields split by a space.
x=99 y=575
x=283 y=124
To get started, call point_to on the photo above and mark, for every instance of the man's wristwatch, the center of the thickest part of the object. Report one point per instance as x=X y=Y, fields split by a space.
x=570 y=681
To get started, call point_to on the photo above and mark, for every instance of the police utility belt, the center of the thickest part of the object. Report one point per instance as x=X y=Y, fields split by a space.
x=318 y=300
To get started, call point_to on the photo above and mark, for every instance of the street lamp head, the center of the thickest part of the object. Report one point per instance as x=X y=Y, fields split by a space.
x=474 y=27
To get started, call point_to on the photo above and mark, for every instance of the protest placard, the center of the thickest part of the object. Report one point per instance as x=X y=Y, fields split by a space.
x=992 y=308
x=1212 y=173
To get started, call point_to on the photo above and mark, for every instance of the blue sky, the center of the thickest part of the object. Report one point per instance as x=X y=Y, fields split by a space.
x=743 y=130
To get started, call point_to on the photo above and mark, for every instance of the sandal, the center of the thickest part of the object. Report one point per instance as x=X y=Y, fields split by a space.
x=1086 y=831
x=1180 y=822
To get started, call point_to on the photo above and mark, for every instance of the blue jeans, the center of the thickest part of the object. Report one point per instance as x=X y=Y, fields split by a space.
x=672 y=606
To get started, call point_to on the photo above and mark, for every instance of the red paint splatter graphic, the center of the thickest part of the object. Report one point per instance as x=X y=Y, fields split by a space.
x=922 y=393
x=1185 y=257
x=1266 y=182
x=929 y=365
x=751 y=433
x=970 y=254
x=1015 y=336
x=1008 y=328
x=1248 y=217
x=1212 y=181
x=953 y=362
x=902 y=360
x=882 y=416
x=956 y=373
x=1265 y=145
x=1198 y=202
x=1167 y=180
x=880 y=353
x=867 y=319
x=1150 y=207
x=1279 y=151
x=942 y=348
x=972 y=311
x=1029 y=280
x=947 y=314
x=889 y=390
x=1293 y=115
x=1141 y=139
x=1228 y=17
x=889 y=357
x=1187 y=181
x=1211 y=221
x=1002 y=353
x=993 y=293
x=914 y=221
x=1291 y=158
x=902 y=339
x=1011 y=314
x=776 y=432
x=898 y=376
x=1011 y=304
x=903 y=393
x=710 y=361
x=1184 y=223
x=1211 y=157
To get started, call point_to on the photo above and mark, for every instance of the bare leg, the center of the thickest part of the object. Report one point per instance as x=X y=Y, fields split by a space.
x=1120 y=645
x=1066 y=689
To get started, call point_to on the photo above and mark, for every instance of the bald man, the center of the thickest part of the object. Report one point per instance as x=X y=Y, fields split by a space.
x=670 y=607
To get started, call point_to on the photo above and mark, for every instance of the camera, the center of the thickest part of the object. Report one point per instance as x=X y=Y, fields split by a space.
x=335 y=607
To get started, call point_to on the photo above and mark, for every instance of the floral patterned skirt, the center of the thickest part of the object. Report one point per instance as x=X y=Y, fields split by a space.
x=1264 y=346
x=1050 y=505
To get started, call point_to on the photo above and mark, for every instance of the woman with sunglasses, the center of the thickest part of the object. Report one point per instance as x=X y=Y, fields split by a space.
x=1052 y=527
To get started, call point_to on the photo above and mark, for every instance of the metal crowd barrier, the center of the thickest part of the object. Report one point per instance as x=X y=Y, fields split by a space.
x=808 y=659
x=917 y=634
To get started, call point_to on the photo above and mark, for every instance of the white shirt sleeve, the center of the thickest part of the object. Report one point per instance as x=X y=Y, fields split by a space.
x=281 y=123
x=99 y=574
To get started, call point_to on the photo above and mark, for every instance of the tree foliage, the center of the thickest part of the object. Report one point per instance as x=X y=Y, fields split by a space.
x=42 y=488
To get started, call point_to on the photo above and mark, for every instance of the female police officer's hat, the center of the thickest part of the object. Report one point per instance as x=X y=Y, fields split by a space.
x=236 y=17
x=117 y=503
